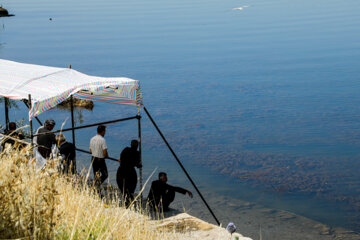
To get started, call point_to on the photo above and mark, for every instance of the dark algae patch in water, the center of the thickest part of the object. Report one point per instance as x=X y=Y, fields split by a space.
x=327 y=183
x=320 y=178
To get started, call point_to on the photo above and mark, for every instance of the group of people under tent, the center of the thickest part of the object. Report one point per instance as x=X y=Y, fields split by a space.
x=160 y=195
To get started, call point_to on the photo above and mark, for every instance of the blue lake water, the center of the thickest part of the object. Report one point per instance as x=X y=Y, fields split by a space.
x=267 y=96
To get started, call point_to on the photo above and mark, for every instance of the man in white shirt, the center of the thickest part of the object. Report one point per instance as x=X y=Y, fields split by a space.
x=99 y=152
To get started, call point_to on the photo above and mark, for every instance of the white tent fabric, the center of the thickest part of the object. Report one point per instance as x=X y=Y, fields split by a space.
x=50 y=86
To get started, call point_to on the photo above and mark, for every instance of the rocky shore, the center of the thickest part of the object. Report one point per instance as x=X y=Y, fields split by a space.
x=190 y=227
x=259 y=222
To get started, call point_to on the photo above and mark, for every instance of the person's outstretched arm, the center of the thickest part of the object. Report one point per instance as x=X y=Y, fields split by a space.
x=189 y=193
x=180 y=190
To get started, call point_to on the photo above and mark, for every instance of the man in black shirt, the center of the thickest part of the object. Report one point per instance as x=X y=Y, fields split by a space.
x=68 y=155
x=46 y=139
x=126 y=176
x=162 y=194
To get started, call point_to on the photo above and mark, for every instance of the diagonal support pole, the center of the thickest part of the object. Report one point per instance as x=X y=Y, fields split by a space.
x=182 y=167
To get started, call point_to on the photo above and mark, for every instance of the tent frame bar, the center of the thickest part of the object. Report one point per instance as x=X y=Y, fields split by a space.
x=72 y=118
x=89 y=125
x=6 y=105
x=139 y=140
x=84 y=151
x=30 y=123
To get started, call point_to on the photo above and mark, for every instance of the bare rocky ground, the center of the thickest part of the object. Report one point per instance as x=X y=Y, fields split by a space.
x=189 y=227
x=257 y=222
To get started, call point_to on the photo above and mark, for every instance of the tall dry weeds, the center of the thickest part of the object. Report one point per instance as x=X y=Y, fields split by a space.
x=41 y=204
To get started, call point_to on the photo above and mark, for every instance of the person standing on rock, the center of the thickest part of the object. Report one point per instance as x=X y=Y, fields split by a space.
x=162 y=194
x=126 y=176
x=98 y=149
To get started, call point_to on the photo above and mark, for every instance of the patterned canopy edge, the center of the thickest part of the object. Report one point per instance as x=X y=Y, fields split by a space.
x=50 y=86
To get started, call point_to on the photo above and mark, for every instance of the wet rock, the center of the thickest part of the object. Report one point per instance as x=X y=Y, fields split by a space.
x=269 y=211
x=247 y=205
x=341 y=233
x=323 y=229
x=4 y=12
x=286 y=216
x=344 y=232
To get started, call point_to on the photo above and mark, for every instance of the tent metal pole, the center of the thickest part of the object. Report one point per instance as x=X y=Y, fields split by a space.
x=37 y=119
x=84 y=151
x=30 y=123
x=140 y=169
x=87 y=126
x=72 y=118
x=182 y=167
x=6 y=102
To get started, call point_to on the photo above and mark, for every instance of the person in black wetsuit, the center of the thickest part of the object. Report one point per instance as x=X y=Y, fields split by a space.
x=68 y=155
x=162 y=194
x=126 y=176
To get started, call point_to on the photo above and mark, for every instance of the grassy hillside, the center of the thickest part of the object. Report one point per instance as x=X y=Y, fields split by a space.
x=41 y=204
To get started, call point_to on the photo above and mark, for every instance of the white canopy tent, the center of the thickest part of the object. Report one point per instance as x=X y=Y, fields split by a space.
x=49 y=86
x=45 y=87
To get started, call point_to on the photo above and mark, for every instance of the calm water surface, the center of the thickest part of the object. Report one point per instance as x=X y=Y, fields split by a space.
x=267 y=96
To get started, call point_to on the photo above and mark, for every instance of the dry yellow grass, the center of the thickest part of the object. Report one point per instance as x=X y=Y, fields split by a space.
x=41 y=204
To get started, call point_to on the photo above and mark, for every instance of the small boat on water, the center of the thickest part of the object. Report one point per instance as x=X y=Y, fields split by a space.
x=4 y=12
